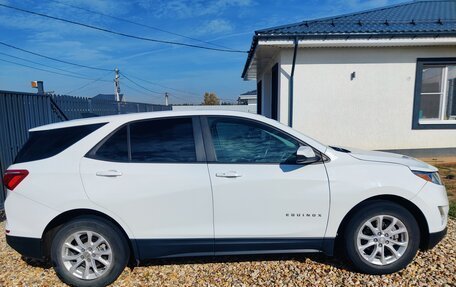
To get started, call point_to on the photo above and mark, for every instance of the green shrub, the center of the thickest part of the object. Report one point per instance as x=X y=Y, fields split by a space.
x=452 y=212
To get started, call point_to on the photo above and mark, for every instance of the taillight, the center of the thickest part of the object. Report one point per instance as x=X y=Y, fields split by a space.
x=13 y=177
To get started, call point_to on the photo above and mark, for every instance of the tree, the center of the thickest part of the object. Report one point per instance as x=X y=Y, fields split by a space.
x=211 y=99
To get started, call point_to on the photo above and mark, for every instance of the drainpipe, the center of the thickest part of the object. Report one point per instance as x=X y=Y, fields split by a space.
x=291 y=84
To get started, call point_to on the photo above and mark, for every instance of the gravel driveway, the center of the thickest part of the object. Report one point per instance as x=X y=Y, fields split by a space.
x=433 y=268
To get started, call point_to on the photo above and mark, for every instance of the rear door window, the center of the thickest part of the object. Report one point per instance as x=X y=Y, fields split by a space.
x=164 y=140
x=48 y=143
x=168 y=140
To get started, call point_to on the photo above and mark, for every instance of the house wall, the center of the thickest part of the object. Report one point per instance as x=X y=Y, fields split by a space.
x=252 y=102
x=372 y=111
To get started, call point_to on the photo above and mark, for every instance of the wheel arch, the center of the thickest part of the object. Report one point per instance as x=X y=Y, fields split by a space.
x=54 y=225
x=410 y=206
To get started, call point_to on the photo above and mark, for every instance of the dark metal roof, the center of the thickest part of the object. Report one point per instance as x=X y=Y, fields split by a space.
x=110 y=97
x=250 y=93
x=415 y=17
x=409 y=19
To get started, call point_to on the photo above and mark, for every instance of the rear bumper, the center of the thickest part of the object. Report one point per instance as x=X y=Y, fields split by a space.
x=28 y=247
x=435 y=238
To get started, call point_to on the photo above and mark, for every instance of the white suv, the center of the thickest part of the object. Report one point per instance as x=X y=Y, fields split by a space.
x=92 y=195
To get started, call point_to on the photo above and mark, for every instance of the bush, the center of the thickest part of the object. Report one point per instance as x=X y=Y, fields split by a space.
x=452 y=212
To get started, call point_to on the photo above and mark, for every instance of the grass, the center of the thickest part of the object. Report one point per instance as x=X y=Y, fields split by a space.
x=452 y=212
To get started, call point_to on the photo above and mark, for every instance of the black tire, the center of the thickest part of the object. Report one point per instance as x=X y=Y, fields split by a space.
x=368 y=211
x=109 y=231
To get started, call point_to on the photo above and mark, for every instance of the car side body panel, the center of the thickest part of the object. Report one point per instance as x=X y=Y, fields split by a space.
x=156 y=200
x=353 y=181
x=30 y=219
x=291 y=201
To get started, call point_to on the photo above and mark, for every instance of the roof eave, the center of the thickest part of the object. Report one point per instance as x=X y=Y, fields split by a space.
x=250 y=56
x=342 y=36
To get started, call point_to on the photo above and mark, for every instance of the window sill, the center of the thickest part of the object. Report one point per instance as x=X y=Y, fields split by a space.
x=434 y=125
x=437 y=122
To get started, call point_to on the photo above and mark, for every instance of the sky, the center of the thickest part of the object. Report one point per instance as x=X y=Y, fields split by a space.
x=148 y=69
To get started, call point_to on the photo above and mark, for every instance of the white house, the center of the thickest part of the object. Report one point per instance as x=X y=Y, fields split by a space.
x=248 y=98
x=378 y=79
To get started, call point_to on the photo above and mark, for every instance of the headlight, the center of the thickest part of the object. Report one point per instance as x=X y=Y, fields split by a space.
x=429 y=176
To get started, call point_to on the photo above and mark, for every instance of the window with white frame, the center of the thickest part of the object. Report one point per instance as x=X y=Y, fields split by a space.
x=437 y=103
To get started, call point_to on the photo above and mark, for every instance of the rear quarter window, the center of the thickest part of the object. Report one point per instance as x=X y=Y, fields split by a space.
x=114 y=148
x=48 y=143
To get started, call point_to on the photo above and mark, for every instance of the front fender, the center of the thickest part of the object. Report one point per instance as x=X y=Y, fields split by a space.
x=354 y=182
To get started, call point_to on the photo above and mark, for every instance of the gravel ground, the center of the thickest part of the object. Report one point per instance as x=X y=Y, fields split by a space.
x=433 y=268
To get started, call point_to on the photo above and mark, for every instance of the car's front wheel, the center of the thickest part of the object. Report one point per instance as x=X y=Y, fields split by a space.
x=382 y=237
x=89 y=251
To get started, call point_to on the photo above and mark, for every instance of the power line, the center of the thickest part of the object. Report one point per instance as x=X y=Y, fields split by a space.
x=141 y=86
x=120 y=33
x=147 y=89
x=177 y=97
x=44 y=70
x=142 y=92
x=139 y=24
x=82 y=76
x=139 y=91
x=165 y=87
x=51 y=58
x=88 y=84
x=41 y=64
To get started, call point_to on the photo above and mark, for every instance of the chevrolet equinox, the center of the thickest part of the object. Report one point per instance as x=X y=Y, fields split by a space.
x=92 y=195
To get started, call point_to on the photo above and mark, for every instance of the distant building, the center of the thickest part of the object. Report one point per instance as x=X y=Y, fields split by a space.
x=108 y=97
x=238 y=108
x=248 y=98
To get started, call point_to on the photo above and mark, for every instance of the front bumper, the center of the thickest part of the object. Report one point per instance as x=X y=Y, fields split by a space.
x=432 y=201
x=26 y=246
x=435 y=238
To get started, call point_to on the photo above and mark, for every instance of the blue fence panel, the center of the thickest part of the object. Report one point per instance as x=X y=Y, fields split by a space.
x=20 y=112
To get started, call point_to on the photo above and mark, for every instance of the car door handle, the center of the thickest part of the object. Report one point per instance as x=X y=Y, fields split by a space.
x=109 y=173
x=229 y=174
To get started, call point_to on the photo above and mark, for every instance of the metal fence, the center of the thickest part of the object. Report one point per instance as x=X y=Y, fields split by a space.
x=20 y=112
x=81 y=107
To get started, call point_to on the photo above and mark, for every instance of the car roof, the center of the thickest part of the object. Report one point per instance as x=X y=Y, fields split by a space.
x=141 y=116
x=122 y=119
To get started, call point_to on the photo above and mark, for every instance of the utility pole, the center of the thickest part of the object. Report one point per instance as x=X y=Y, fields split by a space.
x=166 y=99
x=117 y=85
x=117 y=89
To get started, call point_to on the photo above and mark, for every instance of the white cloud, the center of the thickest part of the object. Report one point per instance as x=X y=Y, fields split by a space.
x=63 y=40
x=104 y=6
x=189 y=8
x=215 y=26
x=366 y=4
x=340 y=7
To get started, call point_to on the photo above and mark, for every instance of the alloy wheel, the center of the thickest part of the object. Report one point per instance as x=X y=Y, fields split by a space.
x=86 y=255
x=382 y=240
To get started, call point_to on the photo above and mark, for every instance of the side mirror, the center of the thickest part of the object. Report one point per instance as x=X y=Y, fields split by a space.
x=305 y=155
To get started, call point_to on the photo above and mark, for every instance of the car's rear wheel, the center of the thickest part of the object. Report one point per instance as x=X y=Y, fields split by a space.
x=382 y=237
x=89 y=251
